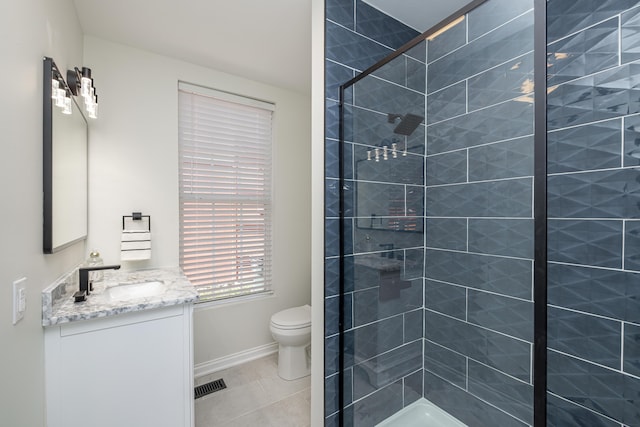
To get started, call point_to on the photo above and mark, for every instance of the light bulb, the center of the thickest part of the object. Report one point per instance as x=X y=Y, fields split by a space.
x=85 y=86
x=92 y=111
x=61 y=94
x=66 y=109
x=55 y=85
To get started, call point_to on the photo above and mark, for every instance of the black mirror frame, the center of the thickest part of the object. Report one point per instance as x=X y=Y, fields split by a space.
x=50 y=71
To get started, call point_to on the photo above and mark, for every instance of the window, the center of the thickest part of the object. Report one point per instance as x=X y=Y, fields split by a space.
x=225 y=192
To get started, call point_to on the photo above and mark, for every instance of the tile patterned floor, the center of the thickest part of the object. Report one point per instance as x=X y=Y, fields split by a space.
x=255 y=395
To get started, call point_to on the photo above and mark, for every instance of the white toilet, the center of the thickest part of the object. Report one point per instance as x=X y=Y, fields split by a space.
x=291 y=328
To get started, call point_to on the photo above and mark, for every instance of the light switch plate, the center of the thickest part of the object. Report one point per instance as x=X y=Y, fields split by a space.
x=19 y=299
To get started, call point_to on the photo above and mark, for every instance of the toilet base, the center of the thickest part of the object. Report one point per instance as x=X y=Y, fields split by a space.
x=293 y=362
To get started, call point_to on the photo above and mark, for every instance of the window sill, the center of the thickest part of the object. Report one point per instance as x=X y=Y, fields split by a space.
x=230 y=301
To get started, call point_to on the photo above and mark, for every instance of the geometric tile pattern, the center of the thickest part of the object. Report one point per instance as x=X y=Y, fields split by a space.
x=508 y=237
x=592 y=242
x=588 y=147
x=447 y=103
x=584 y=53
x=509 y=198
x=506 y=81
x=562 y=413
x=500 y=122
x=510 y=355
x=584 y=336
x=448 y=168
x=374 y=24
x=601 y=194
x=603 y=390
x=506 y=276
x=613 y=294
x=630 y=38
x=489 y=15
x=607 y=94
x=383 y=279
x=506 y=42
x=567 y=17
x=510 y=316
x=632 y=245
x=632 y=141
x=492 y=386
x=447 y=42
x=468 y=408
x=632 y=349
x=593 y=202
x=509 y=159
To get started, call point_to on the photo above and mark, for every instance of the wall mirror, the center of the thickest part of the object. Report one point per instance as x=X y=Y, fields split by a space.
x=65 y=174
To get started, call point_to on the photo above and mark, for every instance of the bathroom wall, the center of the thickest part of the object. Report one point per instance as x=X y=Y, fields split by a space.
x=357 y=36
x=134 y=167
x=593 y=207
x=479 y=207
x=30 y=30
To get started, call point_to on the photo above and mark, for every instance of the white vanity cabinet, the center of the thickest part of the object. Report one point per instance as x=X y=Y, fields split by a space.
x=125 y=370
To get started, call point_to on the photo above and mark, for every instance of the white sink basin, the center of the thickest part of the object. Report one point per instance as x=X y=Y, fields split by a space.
x=130 y=291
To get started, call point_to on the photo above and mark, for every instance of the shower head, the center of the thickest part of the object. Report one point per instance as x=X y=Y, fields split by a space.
x=408 y=123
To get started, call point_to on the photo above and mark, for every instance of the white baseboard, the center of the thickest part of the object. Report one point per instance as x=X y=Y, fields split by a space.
x=211 y=366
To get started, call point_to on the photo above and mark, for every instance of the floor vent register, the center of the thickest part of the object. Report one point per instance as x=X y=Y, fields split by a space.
x=210 y=387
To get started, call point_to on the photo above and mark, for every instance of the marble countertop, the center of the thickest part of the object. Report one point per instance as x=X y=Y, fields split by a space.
x=59 y=307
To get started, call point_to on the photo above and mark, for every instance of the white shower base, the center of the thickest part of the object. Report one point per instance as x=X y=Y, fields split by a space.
x=421 y=413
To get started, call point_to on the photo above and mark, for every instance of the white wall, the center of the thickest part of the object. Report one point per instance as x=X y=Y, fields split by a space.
x=29 y=30
x=317 y=211
x=134 y=167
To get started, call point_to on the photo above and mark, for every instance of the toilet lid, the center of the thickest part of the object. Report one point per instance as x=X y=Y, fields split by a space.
x=297 y=317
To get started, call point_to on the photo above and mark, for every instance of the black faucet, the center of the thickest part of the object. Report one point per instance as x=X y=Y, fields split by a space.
x=86 y=286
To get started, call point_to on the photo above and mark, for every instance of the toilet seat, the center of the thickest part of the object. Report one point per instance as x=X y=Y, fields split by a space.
x=292 y=318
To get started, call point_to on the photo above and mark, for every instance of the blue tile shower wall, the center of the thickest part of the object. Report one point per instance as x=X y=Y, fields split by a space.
x=380 y=328
x=593 y=208
x=479 y=217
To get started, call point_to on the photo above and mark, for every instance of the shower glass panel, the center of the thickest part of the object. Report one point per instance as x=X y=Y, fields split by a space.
x=593 y=192
x=437 y=231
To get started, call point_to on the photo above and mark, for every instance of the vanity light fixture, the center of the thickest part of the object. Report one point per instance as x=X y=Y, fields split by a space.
x=61 y=95
x=81 y=84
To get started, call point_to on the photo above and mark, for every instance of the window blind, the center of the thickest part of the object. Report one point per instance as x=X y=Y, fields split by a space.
x=225 y=145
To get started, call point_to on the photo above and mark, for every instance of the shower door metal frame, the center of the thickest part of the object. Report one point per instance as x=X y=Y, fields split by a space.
x=540 y=214
x=539 y=374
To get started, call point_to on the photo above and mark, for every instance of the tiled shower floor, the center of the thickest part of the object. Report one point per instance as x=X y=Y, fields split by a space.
x=255 y=396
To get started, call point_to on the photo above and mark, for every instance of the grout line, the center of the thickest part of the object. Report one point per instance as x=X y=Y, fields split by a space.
x=582 y=29
x=597 y=267
x=478 y=290
x=522 y=55
x=473 y=147
x=480 y=326
x=486 y=107
x=581 y=406
x=619 y=39
x=478 y=253
x=624 y=234
x=622 y=347
x=591 y=362
x=622 y=138
x=482 y=181
x=586 y=313
x=595 y=170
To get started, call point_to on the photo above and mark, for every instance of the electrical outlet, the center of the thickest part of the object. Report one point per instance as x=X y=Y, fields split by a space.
x=19 y=299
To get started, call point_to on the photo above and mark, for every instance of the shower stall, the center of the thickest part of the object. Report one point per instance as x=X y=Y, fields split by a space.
x=483 y=220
